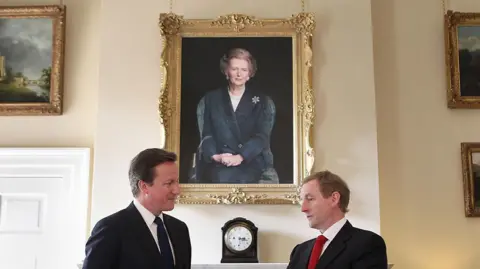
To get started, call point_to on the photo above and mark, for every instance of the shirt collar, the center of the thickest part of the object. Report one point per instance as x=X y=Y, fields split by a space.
x=147 y=216
x=333 y=230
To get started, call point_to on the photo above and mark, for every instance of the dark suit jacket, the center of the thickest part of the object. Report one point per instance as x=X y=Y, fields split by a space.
x=245 y=131
x=352 y=248
x=123 y=240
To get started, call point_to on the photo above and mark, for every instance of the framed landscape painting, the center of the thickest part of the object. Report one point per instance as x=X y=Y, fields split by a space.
x=237 y=105
x=463 y=59
x=31 y=60
x=471 y=178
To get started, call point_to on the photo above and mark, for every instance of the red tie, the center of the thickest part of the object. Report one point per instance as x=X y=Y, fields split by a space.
x=316 y=251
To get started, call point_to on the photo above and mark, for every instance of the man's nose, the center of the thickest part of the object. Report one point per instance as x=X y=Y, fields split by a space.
x=176 y=189
x=304 y=207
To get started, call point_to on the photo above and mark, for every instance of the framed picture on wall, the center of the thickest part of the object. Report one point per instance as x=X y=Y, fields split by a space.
x=32 y=40
x=471 y=178
x=462 y=33
x=237 y=105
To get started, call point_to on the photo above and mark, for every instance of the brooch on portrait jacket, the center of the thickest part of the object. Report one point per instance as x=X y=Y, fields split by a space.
x=255 y=100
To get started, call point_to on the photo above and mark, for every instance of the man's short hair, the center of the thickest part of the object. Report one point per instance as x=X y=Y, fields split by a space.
x=330 y=183
x=142 y=166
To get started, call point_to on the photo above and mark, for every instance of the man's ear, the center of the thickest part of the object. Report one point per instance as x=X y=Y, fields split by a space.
x=142 y=186
x=335 y=197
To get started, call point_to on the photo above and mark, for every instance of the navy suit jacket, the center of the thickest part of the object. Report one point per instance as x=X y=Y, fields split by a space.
x=123 y=240
x=245 y=131
x=352 y=248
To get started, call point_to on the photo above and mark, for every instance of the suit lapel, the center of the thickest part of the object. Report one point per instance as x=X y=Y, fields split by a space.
x=336 y=246
x=144 y=236
x=306 y=254
x=230 y=114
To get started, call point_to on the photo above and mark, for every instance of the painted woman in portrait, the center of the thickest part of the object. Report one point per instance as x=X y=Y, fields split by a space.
x=235 y=122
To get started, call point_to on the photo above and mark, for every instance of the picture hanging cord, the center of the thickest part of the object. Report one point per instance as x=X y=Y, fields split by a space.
x=444 y=6
x=303 y=5
x=171 y=6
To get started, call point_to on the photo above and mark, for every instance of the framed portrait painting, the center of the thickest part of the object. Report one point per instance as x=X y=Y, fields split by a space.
x=237 y=106
x=463 y=59
x=471 y=178
x=31 y=60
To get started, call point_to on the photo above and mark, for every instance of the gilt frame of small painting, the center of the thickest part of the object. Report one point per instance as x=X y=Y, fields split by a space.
x=471 y=178
x=462 y=41
x=32 y=41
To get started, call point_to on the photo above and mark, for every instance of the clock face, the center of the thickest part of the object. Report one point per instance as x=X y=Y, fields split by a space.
x=238 y=238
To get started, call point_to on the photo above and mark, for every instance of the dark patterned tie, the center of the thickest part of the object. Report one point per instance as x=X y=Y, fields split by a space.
x=166 y=252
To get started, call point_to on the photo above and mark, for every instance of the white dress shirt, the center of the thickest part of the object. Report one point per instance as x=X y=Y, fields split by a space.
x=149 y=218
x=332 y=231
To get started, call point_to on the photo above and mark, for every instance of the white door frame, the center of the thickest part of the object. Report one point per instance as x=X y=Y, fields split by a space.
x=71 y=164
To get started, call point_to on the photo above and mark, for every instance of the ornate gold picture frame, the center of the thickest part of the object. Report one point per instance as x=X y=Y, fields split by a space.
x=462 y=41
x=237 y=106
x=471 y=178
x=32 y=40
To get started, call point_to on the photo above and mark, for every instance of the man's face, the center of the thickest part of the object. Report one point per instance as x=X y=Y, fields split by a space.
x=318 y=209
x=161 y=195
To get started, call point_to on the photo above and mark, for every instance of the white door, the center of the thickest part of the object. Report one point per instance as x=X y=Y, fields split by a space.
x=43 y=207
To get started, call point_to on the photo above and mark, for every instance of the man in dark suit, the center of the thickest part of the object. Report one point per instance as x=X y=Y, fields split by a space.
x=141 y=236
x=340 y=245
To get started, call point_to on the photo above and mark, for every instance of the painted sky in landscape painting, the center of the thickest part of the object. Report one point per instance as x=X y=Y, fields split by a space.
x=469 y=38
x=27 y=45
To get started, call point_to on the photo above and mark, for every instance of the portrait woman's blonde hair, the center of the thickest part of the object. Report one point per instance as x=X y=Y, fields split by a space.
x=242 y=54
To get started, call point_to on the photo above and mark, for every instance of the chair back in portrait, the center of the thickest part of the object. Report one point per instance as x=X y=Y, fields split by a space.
x=269 y=175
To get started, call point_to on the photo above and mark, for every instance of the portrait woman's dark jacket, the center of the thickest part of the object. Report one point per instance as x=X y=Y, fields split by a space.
x=245 y=131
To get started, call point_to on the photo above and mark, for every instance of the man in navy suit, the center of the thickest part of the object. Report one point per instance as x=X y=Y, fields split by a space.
x=142 y=236
x=340 y=245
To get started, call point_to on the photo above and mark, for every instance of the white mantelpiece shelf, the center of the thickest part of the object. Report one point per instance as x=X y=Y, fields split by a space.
x=246 y=265
x=241 y=265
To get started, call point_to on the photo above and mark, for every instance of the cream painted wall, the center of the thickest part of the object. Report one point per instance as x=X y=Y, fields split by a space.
x=422 y=209
x=418 y=137
x=346 y=143
x=76 y=126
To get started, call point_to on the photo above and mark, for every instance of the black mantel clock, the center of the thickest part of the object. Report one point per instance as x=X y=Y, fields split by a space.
x=239 y=241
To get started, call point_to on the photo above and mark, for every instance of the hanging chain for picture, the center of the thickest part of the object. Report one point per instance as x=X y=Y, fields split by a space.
x=303 y=5
x=444 y=6
x=171 y=6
